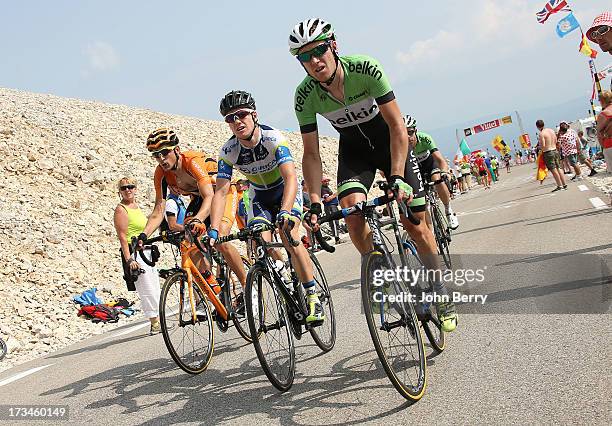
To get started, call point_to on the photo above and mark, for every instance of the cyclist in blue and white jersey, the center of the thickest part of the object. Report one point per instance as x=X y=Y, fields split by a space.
x=262 y=154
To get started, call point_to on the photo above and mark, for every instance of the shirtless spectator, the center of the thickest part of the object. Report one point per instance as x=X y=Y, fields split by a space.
x=547 y=143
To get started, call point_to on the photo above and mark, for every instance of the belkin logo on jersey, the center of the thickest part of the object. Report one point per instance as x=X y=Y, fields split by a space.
x=302 y=94
x=366 y=68
x=352 y=115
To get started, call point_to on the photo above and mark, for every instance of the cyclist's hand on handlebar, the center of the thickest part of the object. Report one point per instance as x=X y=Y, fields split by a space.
x=399 y=186
x=213 y=236
x=284 y=217
x=195 y=226
x=311 y=217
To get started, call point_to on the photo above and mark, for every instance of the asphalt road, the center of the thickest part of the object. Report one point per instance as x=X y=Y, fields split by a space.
x=537 y=352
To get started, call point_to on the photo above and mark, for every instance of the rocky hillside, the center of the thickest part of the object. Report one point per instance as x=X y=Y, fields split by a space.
x=61 y=159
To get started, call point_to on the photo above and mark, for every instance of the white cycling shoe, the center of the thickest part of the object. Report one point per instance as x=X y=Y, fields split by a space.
x=453 y=222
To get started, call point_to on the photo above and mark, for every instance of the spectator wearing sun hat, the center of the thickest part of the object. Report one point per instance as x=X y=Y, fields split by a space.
x=601 y=32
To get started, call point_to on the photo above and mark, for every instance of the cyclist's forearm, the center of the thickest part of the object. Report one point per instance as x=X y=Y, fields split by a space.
x=399 y=151
x=153 y=222
x=217 y=209
x=313 y=172
x=205 y=208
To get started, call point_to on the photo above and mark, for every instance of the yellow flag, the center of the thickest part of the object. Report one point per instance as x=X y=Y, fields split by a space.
x=586 y=49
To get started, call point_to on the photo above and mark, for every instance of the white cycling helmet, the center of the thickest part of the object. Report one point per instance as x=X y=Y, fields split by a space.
x=307 y=31
x=410 y=121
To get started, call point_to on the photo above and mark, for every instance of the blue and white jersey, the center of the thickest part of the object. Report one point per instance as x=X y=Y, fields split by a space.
x=260 y=163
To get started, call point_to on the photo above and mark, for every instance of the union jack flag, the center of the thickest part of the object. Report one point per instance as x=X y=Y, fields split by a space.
x=553 y=6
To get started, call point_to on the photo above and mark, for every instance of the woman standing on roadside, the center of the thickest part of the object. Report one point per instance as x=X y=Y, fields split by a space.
x=604 y=127
x=129 y=222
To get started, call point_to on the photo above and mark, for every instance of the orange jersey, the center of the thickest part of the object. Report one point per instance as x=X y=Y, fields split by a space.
x=196 y=169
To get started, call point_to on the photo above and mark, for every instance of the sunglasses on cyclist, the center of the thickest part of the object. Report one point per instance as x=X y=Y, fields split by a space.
x=126 y=187
x=316 y=51
x=599 y=32
x=240 y=115
x=411 y=132
x=162 y=153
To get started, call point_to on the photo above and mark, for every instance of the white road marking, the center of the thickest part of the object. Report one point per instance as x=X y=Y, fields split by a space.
x=126 y=331
x=504 y=206
x=583 y=187
x=22 y=375
x=598 y=203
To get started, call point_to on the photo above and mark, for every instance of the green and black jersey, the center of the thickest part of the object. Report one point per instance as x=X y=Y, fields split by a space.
x=365 y=140
x=365 y=88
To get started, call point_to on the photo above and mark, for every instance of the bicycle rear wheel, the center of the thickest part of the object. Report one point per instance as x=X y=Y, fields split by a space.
x=237 y=299
x=189 y=343
x=325 y=334
x=442 y=234
x=267 y=316
x=394 y=329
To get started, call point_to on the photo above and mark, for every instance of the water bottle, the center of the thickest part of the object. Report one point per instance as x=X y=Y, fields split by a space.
x=279 y=266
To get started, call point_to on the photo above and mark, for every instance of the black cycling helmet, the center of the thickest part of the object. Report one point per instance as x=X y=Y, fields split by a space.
x=236 y=99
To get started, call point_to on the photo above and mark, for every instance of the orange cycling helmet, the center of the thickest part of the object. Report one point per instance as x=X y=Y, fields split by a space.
x=162 y=138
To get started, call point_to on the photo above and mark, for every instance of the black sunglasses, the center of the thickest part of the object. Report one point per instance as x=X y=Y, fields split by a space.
x=316 y=51
x=240 y=115
x=411 y=132
x=162 y=153
x=125 y=187
x=599 y=32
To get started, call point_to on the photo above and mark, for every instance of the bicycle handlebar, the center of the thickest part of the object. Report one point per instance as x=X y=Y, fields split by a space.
x=363 y=205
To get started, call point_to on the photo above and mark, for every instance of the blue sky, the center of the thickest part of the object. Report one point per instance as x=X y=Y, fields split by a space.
x=449 y=62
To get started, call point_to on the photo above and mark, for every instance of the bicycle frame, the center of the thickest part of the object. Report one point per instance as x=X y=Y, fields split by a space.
x=264 y=258
x=193 y=274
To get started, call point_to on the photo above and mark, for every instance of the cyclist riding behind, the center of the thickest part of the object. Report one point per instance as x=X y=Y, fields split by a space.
x=432 y=165
x=354 y=94
x=187 y=173
x=261 y=153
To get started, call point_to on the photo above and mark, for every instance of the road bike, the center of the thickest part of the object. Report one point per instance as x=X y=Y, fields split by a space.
x=276 y=308
x=389 y=304
x=439 y=221
x=184 y=308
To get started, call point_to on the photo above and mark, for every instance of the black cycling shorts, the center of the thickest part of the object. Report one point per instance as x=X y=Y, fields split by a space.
x=358 y=162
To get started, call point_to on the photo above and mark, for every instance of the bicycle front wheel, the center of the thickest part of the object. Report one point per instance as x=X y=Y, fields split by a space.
x=325 y=334
x=267 y=316
x=394 y=328
x=190 y=343
x=442 y=234
x=425 y=314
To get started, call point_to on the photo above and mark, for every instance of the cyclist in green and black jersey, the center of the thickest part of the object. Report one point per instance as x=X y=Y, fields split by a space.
x=354 y=94
x=432 y=164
